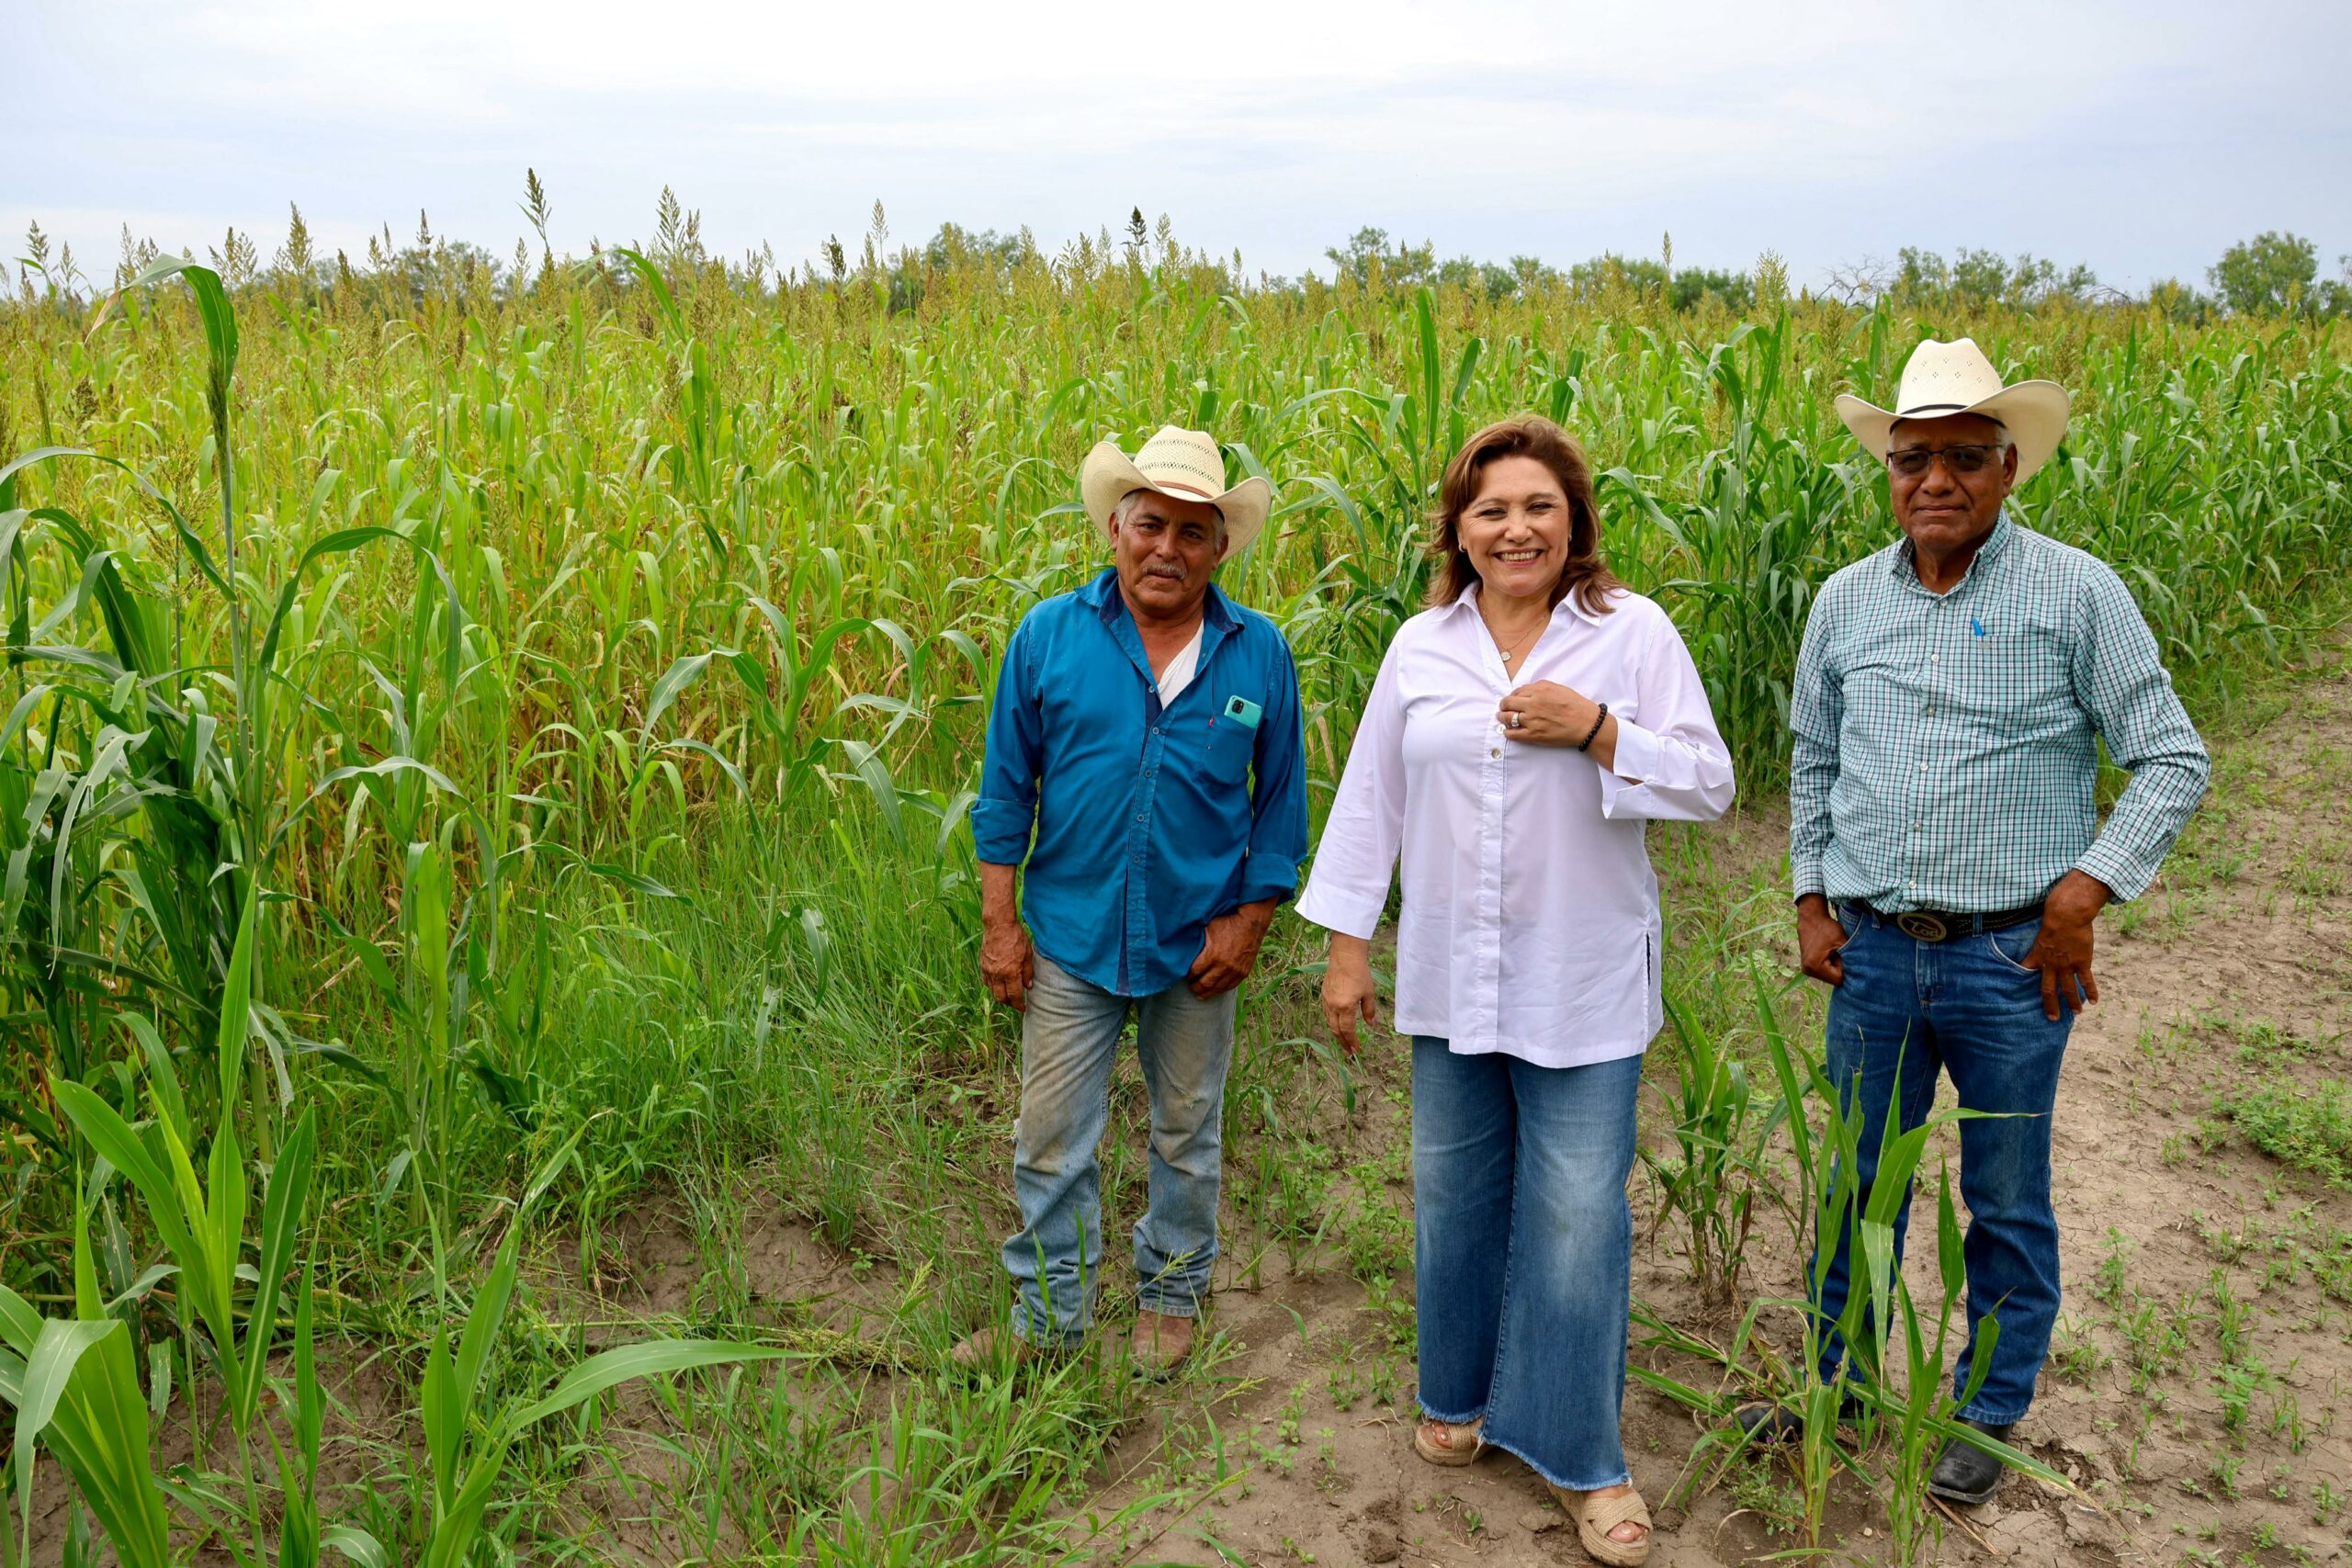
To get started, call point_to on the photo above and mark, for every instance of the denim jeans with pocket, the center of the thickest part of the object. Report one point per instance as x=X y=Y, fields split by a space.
x=1523 y=1254
x=1069 y=1040
x=1966 y=1007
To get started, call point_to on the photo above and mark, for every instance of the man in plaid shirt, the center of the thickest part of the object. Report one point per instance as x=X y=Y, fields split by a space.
x=1946 y=849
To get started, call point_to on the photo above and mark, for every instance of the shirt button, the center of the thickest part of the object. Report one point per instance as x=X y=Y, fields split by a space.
x=1498 y=751
x=1933 y=657
x=1923 y=768
x=1931 y=712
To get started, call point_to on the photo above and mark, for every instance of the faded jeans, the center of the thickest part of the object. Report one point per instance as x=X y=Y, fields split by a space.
x=1966 y=1007
x=1069 y=1039
x=1523 y=1254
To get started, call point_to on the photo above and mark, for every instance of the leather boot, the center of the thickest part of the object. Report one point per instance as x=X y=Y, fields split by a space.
x=1969 y=1476
x=1160 y=1343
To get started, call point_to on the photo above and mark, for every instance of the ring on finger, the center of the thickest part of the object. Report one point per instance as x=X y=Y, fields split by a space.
x=1514 y=718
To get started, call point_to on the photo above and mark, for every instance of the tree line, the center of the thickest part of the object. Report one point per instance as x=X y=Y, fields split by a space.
x=2274 y=274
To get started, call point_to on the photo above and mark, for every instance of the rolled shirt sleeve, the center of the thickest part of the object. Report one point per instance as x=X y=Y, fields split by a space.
x=2120 y=681
x=1673 y=766
x=1006 y=813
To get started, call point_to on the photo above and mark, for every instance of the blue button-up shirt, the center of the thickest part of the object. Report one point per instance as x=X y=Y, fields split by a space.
x=1150 y=820
x=1946 y=744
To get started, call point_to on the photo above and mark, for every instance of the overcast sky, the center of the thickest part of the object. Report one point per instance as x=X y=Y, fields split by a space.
x=2139 y=138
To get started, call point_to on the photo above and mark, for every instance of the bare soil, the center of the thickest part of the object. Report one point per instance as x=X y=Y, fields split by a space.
x=2192 y=1259
x=2234 y=973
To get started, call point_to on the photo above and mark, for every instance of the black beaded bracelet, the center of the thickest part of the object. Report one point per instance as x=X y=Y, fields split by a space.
x=1598 y=720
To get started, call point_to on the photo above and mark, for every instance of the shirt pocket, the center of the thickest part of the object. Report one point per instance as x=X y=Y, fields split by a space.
x=2015 y=677
x=1226 y=758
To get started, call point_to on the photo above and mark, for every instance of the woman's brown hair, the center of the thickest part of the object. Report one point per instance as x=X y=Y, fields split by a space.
x=1585 y=575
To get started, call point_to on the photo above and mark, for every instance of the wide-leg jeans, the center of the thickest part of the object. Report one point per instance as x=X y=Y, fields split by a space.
x=1069 y=1040
x=1966 y=1007
x=1523 y=1254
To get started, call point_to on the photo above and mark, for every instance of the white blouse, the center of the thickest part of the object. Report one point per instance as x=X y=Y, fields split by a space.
x=1529 y=922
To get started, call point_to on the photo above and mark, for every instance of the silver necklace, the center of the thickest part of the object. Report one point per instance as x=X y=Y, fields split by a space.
x=1513 y=650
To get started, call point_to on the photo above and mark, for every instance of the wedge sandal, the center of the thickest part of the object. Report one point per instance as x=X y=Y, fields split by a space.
x=1462 y=1444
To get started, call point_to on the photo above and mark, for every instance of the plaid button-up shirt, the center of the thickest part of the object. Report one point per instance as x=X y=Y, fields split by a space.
x=1946 y=745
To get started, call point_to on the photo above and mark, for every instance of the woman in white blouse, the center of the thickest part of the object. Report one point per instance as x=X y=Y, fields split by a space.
x=1521 y=730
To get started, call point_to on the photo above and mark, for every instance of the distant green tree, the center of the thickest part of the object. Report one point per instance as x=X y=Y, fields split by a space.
x=1974 y=278
x=1368 y=247
x=1408 y=265
x=1608 y=269
x=1695 y=285
x=1483 y=277
x=2181 y=301
x=1532 y=273
x=2037 y=280
x=2335 y=294
x=955 y=247
x=2268 y=274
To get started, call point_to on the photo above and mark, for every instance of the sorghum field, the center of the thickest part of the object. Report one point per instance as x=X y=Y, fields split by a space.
x=493 y=1064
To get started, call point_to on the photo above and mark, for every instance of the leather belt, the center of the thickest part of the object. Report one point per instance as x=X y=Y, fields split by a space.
x=1937 y=925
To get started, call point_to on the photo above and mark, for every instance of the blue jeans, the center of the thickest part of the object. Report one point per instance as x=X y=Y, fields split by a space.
x=1963 y=1006
x=1523 y=1254
x=1070 y=1038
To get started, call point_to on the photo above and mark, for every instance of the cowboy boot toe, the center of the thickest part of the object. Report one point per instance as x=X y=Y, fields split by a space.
x=1966 y=1474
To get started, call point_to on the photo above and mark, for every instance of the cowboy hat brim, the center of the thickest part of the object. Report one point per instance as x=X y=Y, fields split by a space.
x=1109 y=476
x=2032 y=413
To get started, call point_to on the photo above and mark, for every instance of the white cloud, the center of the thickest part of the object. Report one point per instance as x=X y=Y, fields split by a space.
x=2138 y=138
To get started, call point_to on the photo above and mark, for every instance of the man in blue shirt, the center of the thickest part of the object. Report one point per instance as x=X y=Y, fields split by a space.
x=1145 y=768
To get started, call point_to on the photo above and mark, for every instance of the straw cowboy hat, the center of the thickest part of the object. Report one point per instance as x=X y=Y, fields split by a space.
x=1186 y=464
x=1945 y=378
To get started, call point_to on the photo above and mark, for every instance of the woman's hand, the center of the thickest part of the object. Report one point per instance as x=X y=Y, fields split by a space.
x=1549 y=714
x=1349 y=993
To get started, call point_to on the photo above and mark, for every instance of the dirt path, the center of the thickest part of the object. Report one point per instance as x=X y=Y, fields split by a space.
x=2204 y=1358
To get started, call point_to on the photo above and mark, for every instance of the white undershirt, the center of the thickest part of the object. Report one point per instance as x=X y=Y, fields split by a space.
x=1180 y=669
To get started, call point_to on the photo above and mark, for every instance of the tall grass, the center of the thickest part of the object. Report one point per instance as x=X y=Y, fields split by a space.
x=551 y=748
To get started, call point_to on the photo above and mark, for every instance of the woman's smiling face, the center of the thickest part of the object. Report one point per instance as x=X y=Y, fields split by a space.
x=1516 y=530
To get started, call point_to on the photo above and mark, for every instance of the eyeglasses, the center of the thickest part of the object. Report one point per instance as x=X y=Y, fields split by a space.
x=1913 y=461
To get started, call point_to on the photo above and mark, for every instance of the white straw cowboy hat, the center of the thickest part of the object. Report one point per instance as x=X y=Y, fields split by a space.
x=1186 y=464
x=1945 y=378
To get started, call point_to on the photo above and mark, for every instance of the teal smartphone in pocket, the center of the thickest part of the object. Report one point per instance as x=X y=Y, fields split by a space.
x=1243 y=712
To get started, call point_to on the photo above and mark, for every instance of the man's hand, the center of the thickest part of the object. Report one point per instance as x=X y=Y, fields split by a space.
x=1349 y=993
x=2063 y=950
x=1819 y=936
x=1008 y=962
x=1230 y=949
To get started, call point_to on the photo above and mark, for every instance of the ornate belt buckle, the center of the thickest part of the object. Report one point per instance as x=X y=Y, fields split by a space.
x=1921 y=927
